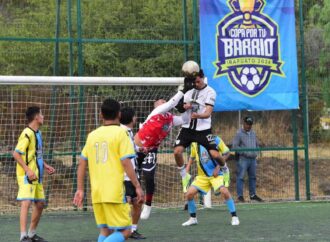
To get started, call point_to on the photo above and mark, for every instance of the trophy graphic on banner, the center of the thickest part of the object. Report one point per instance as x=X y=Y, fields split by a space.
x=247 y=7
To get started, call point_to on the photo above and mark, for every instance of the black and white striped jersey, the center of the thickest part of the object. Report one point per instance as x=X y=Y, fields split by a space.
x=199 y=100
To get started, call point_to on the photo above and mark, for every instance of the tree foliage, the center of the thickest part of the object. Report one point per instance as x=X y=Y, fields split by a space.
x=101 y=19
x=131 y=20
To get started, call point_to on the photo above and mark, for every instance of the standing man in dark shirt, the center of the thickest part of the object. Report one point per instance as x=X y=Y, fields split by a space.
x=246 y=138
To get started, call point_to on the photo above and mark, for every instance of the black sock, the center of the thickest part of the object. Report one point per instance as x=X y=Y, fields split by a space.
x=233 y=214
x=193 y=215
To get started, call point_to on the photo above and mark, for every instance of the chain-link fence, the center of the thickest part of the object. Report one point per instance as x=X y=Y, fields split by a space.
x=153 y=38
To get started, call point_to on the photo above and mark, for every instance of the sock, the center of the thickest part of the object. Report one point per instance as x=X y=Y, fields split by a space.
x=182 y=171
x=192 y=208
x=134 y=227
x=231 y=206
x=101 y=238
x=23 y=234
x=149 y=199
x=115 y=237
x=31 y=233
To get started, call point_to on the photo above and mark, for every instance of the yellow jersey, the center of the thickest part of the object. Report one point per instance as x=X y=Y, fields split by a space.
x=29 y=146
x=104 y=150
x=205 y=165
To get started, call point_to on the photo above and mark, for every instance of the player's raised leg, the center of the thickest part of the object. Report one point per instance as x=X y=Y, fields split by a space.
x=178 y=156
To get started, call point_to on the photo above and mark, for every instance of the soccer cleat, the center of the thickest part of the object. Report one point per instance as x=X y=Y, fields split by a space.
x=145 y=212
x=240 y=199
x=191 y=221
x=37 y=238
x=185 y=182
x=136 y=235
x=256 y=198
x=234 y=220
x=25 y=239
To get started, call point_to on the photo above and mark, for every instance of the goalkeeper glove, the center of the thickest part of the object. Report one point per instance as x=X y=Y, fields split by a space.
x=179 y=107
x=188 y=84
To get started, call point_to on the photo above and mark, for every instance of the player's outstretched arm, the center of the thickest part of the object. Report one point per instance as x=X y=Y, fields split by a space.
x=79 y=195
x=170 y=104
x=132 y=176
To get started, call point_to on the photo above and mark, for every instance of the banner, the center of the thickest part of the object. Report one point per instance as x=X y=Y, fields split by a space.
x=248 y=53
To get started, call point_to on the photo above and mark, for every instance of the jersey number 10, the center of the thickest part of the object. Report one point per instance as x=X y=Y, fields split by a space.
x=101 y=152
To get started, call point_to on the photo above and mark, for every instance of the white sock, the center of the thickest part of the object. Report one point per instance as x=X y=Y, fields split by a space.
x=182 y=171
x=23 y=234
x=134 y=227
x=31 y=233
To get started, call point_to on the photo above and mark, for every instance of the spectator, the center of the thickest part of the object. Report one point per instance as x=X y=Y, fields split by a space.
x=246 y=138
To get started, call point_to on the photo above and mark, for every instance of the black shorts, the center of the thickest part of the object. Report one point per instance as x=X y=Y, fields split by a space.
x=130 y=190
x=204 y=138
x=147 y=162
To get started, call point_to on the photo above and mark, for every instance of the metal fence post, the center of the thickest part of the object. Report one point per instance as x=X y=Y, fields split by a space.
x=185 y=28
x=72 y=100
x=195 y=28
x=81 y=88
x=295 y=154
x=51 y=136
x=305 y=100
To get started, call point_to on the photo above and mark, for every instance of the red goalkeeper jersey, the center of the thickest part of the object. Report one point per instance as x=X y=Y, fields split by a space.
x=155 y=129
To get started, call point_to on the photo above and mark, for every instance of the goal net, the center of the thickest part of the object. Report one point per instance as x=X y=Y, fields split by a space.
x=71 y=109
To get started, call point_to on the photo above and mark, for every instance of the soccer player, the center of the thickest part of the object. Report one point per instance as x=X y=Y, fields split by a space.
x=29 y=170
x=209 y=175
x=127 y=121
x=156 y=127
x=199 y=103
x=108 y=152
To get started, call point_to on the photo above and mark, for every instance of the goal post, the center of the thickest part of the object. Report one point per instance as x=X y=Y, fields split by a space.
x=71 y=109
x=91 y=81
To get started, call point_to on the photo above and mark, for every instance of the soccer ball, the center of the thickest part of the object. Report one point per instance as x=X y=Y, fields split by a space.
x=250 y=78
x=190 y=68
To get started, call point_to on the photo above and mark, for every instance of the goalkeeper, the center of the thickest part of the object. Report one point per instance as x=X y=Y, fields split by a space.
x=160 y=121
x=209 y=175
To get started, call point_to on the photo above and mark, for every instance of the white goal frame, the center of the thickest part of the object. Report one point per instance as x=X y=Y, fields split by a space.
x=90 y=81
